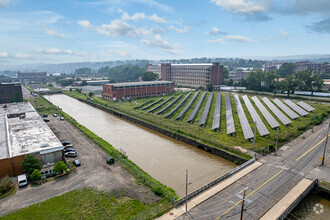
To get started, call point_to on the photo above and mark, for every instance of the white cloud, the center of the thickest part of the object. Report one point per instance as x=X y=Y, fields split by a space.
x=284 y=34
x=178 y=30
x=248 y=7
x=19 y=55
x=50 y=32
x=156 y=5
x=215 y=31
x=85 y=23
x=239 y=38
x=158 y=41
x=54 y=51
x=141 y=16
x=48 y=17
x=157 y=19
x=4 y=3
x=219 y=40
x=3 y=54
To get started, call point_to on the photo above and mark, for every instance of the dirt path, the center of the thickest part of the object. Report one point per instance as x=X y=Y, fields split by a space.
x=93 y=172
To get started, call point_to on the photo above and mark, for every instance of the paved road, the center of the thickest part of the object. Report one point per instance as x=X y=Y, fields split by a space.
x=94 y=172
x=266 y=185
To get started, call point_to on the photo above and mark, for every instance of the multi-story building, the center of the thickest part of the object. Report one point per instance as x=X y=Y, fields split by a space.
x=155 y=69
x=10 y=92
x=136 y=89
x=303 y=66
x=190 y=75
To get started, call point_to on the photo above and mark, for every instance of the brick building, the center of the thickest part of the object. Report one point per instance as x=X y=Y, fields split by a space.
x=10 y=92
x=190 y=75
x=136 y=89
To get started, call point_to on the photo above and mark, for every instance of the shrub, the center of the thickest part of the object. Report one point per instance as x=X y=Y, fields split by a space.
x=5 y=184
x=30 y=163
x=35 y=175
x=60 y=166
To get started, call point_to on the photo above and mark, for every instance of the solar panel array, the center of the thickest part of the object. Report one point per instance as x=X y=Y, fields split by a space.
x=306 y=106
x=286 y=109
x=276 y=111
x=203 y=118
x=197 y=106
x=269 y=118
x=158 y=106
x=295 y=107
x=187 y=106
x=229 y=116
x=144 y=104
x=247 y=131
x=152 y=104
x=255 y=117
x=169 y=105
x=178 y=106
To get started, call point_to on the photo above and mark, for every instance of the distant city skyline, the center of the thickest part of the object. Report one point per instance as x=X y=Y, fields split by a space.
x=79 y=31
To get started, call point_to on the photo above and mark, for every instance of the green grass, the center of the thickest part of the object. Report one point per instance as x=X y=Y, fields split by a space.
x=218 y=139
x=86 y=203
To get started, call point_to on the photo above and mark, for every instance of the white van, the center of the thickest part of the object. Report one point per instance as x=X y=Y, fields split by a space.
x=22 y=180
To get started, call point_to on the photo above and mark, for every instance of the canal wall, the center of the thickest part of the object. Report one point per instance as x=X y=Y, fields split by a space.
x=216 y=151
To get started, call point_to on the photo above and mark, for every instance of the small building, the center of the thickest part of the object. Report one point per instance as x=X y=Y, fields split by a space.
x=136 y=89
x=97 y=82
x=22 y=132
x=10 y=92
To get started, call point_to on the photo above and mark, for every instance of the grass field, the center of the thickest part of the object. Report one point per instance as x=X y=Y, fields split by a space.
x=86 y=203
x=220 y=138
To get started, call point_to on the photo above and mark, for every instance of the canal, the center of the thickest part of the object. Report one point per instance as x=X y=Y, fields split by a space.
x=164 y=158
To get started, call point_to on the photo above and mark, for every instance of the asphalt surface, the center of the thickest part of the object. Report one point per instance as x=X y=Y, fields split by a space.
x=93 y=172
x=266 y=185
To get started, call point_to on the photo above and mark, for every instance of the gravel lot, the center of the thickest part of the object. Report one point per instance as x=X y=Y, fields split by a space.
x=93 y=172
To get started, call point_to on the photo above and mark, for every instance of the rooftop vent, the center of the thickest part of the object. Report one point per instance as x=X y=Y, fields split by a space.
x=44 y=145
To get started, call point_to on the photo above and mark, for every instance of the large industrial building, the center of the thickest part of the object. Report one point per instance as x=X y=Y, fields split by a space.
x=22 y=132
x=10 y=92
x=189 y=75
x=136 y=89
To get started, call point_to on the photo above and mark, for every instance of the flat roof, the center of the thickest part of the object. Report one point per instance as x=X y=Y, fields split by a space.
x=139 y=83
x=192 y=64
x=26 y=134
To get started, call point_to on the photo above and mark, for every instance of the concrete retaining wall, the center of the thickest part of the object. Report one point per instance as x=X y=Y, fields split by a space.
x=190 y=141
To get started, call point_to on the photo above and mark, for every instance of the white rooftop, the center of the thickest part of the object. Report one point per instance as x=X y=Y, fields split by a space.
x=24 y=134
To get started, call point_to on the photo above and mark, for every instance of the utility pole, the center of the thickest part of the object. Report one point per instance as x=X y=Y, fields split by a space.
x=242 y=209
x=186 y=190
x=254 y=138
x=325 y=146
x=276 y=141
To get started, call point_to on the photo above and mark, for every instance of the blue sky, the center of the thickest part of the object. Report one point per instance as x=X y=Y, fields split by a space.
x=72 y=31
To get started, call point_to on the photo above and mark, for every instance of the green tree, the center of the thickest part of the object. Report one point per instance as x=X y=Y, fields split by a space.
x=225 y=73
x=35 y=175
x=286 y=69
x=84 y=83
x=84 y=71
x=149 y=76
x=78 y=79
x=30 y=163
x=5 y=184
x=209 y=87
x=60 y=166
x=90 y=94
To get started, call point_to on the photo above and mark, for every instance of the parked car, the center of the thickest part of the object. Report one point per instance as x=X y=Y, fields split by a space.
x=22 y=180
x=62 y=118
x=69 y=149
x=70 y=154
x=46 y=120
x=76 y=163
x=110 y=160
x=67 y=146
x=54 y=115
x=45 y=115
x=64 y=143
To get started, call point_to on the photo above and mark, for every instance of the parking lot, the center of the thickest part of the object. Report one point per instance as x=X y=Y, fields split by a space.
x=93 y=172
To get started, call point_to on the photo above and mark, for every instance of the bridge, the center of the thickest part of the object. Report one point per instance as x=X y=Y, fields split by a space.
x=272 y=186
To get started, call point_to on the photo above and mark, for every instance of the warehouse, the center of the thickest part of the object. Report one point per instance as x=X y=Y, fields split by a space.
x=22 y=132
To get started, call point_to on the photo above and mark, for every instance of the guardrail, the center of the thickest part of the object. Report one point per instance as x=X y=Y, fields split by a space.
x=209 y=185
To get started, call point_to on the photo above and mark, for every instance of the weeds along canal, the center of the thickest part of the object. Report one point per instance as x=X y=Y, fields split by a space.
x=164 y=158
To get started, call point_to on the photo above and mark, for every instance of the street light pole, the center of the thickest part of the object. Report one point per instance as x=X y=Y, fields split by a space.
x=325 y=146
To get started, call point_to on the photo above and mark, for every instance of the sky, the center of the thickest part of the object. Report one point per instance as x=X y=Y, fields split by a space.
x=64 y=31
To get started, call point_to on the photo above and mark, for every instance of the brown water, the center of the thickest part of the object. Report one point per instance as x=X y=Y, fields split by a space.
x=164 y=158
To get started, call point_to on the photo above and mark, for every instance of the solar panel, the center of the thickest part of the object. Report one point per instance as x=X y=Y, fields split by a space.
x=270 y=119
x=255 y=117
x=203 y=118
x=169 y=105
x=276 y=111
x=197 y=106
x=306 y=106
x=286 y=109
x=178 y=106
x=152 y=104
x=247 y=131
x=295 y=107
x=158 y=106
x=229 y=115
x=180 y=115
x=144 y=104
